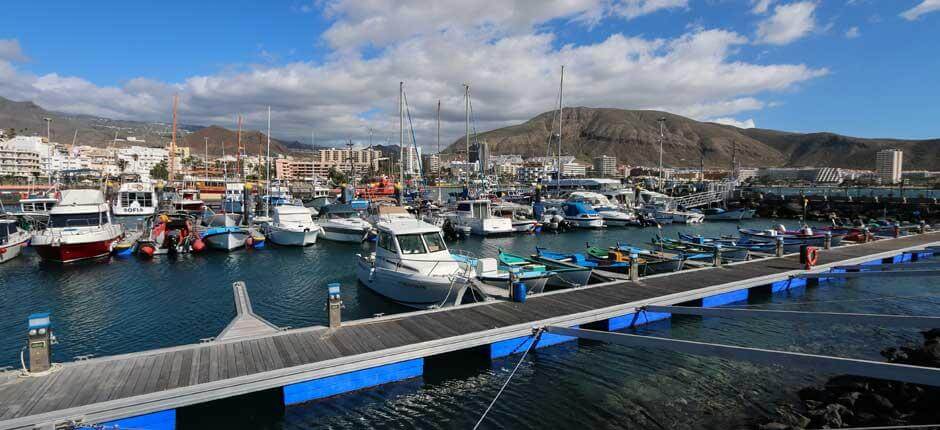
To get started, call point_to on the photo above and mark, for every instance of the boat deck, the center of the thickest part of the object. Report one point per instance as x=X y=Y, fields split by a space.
x=258 y=358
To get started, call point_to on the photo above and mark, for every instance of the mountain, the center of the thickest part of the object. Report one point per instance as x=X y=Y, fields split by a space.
x=27 y=118
x=633 y=137
x=252 y=140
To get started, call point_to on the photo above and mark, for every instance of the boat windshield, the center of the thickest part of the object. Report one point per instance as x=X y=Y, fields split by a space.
x=74 y=220
x=411 y=244
x=142 y=198
x=300 y=218
x=434 y=242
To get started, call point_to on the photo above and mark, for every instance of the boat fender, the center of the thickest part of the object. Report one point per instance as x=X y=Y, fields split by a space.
x=147 y=250
x=250 y=241
x=198 y=245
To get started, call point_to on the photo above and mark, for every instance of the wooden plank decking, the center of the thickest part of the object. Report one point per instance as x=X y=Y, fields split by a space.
x=132 y=384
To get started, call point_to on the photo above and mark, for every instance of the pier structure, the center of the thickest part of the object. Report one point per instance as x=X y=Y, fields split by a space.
x=145 y=389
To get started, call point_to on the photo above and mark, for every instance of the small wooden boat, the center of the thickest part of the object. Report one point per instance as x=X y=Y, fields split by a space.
x=701 y=251
x=565 y=276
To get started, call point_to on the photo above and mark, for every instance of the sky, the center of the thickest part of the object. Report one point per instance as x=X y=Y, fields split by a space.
x=331 y=68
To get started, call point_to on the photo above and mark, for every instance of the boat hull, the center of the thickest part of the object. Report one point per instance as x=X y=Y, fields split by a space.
x=13 y=249
x=227 y=241
x=66 y=253
x=343 y=234
x=292 y=238
x=533 y=285
x=412 y=290
x=586 y=222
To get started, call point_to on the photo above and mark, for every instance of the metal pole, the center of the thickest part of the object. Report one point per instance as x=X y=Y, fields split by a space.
x=467 y=102
x=662 y=137
x=561 y=118
x=817 y=317
x=267 y=173
x=784 y=359
x=401 y=140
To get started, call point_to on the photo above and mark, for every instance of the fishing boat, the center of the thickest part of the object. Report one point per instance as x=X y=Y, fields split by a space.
x=564 y=275
x=806 y=235
x=701 y=251
x=278 y=194
x=79 y=228
x=291 y=226
x=36 y=207
x=169 y=233
x=477 y=215
x=492 y=272
x=135 y=199
x=752 y=245
x=12 y=239
x=412 y=266
x=188 y=200
x=233 y=199
x=650 y=262
x=719 y=214
x=581 y=215
x=224 y=233
x=341 y=223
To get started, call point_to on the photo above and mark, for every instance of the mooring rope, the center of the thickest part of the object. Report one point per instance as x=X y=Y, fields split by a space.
x=535 y=340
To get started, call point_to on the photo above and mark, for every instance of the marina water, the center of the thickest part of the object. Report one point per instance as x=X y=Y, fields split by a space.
x=127 y=305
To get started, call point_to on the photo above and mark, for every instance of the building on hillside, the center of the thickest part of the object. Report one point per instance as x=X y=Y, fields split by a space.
x=139 y=160
x=888 y=165
x=412 y=160
x=431 y=164
x=605 y=166
x=531 y=172
x=19 y=164
x=574 y=170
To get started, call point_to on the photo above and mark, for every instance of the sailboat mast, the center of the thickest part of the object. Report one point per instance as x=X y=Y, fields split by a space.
x=438 y=145
x=467 y=103
x=239 y=150
x=173 y=140
x=267 y=168
x=561 y=104
x=662 y=137
x=401 y=138
x=206 y=161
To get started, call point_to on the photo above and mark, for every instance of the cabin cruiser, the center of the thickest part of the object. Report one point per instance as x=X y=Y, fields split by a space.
x=292 y=226
x=681 y=217
x=581 y=215
x=610 y=212
x=223 y=232
x=188 y=200
x=12 y=239
x=79 y=228
x=387 y=212
x=342 y=223
x=478 y=217
x=719 y=214
x=411 y=265
x=135 y=199
x=278 y=194
x=36 y=207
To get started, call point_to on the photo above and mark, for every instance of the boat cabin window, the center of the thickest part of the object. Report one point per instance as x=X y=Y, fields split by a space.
x=481 y=210
x=386 y=242
x=463 y=207
x=434 y=242
x=142 y=198
x=75 y=220
x=6 y=229
x=411 y=244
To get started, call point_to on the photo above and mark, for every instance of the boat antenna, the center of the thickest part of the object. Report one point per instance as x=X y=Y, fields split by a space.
x=662 y=137
x=561 y=104
x=205 y=162
x=438 y=145
x=467 y=101
x=267 y=164
x=173 y=140
x=401 y=141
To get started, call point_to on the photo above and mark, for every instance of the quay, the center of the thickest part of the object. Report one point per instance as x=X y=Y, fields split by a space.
x=145 y=389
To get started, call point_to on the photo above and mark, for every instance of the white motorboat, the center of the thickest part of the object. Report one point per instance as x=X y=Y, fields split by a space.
x=478 y=217
x=224 y=233
x=342 y=223
x=79 y=228
x=611 y=213
x=581 y=215
x=681 y=217
x=411 y=265
x=135 y=199
x=36 y=207
x=292 y=226
x=719 y=214
x=385 y=212
x=188 y=200
x=12 y=239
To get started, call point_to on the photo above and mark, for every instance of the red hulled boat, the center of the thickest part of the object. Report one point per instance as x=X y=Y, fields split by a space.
x=79 y=228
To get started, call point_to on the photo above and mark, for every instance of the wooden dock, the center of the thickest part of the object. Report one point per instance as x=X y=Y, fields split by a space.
x=252 y=355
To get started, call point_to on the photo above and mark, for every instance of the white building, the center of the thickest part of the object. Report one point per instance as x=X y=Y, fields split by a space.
x=888 y=165
x=19 y=164
x=605 y=165
x=140 y=159
x=411 y=161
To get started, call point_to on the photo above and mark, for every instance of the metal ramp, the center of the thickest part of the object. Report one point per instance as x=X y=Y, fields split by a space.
x=717 y=192
x=245 y=323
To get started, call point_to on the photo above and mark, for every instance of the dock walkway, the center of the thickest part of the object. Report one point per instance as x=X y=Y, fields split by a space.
x=261 y=357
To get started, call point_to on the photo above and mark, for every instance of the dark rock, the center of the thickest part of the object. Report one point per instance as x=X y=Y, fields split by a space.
x=847 y=384
x=774 y=426
x=848 y=399
x=865 y=419
x=895 y=355
x=875 y=403
x=813 y=393
x=933 y=333
x=833 y=415
x=931 y=351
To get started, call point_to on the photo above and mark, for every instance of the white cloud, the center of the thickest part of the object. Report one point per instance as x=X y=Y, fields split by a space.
x=10 y=51
x=513 y=77
x=760 y=7
x=852 y=33
x=635 y=8
x=748 y=123
x=788 y=23
x=925 y=7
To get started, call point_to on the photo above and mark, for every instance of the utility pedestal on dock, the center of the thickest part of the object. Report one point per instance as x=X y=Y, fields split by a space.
x=40 y=342
x=828 y=243
x=335 y=305
x=779 y=250
x=634 y=267
x=716 y=259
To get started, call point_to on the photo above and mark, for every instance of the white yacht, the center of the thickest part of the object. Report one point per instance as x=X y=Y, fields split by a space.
x=36 y=207
x=411 y=265
x=581 y=215
x=291 y=226
x=12 y=239
x=135 y=199
x=79 y=228
x=478 y=217
x=610 y=212
x=188 y=200
x=342 y=223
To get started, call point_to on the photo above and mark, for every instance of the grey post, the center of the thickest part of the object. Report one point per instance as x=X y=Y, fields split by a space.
x=716 y=258
x=779 y=246
x=634 y=267
x=828 y=243
x=335 y=305
x=865 y=233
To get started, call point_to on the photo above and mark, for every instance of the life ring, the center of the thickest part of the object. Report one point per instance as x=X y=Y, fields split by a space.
x=810 y=256
x=140 y=187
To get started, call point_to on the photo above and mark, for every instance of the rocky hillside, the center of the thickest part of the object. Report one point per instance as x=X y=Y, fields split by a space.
x=217 y=136
x=633 y=137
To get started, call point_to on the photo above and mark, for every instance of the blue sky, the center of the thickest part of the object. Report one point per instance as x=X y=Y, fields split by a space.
x=855 y=67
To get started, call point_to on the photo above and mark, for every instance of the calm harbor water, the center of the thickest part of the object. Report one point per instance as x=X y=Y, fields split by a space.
x=125 y=305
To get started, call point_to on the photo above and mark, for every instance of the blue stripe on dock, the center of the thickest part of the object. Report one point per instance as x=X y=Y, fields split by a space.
x=635 y=319
x=352 y=381
x=518 y=345
x=163 y=420
x=724 y=298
